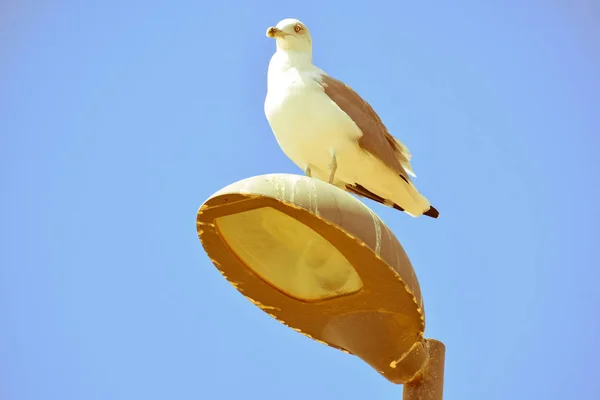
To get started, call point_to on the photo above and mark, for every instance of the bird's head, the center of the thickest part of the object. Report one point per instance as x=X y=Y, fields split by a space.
x=291 y=34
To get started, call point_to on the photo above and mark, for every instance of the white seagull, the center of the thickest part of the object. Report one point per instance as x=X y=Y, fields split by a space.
x=330 y=132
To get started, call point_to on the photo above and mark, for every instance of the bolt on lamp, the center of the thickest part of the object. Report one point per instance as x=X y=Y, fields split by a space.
x=321 y=262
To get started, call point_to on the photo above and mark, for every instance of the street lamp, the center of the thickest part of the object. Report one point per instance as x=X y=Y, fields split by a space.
x=321 y=262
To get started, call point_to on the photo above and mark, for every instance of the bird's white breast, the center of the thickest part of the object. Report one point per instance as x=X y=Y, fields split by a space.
x=307 y=124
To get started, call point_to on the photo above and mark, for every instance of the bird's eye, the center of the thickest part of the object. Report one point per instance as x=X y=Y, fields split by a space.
x=298 y=28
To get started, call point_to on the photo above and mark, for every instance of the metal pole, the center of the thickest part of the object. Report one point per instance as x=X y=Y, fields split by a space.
x=429 y=383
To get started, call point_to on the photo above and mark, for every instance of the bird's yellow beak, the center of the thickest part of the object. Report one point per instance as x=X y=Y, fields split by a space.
x=274 y=32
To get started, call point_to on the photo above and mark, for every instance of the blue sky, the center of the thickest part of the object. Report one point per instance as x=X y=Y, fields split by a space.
x=119 y=118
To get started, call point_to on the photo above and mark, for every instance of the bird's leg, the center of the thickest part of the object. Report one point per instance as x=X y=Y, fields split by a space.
x=307 y=171
x=332 y=168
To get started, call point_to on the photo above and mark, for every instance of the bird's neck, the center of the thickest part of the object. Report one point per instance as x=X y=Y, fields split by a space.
x=286 y=59
x=286 y=64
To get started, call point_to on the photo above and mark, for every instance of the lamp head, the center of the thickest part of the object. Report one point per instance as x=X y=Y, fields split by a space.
x=320 y=261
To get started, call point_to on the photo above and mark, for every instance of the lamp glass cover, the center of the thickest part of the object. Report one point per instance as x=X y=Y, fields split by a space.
x=288 y=254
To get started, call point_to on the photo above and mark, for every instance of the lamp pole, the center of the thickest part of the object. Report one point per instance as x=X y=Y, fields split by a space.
x=429 y=382
x=321 y=262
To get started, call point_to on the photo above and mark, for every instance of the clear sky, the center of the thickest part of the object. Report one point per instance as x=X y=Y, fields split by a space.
x=119 y=118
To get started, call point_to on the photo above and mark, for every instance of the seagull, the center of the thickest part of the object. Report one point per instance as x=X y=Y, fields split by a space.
x=330 y=132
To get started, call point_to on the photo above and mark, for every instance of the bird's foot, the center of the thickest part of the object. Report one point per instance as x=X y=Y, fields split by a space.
x=307 y=172
x=332 y=168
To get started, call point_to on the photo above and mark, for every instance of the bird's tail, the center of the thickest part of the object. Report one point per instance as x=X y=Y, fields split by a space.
x=414 y=202
x=430 y=211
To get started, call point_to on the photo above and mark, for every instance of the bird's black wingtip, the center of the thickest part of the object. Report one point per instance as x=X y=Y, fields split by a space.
x=432 y=212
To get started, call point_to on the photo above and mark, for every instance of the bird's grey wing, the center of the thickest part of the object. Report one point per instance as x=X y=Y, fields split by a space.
x=375 y=138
